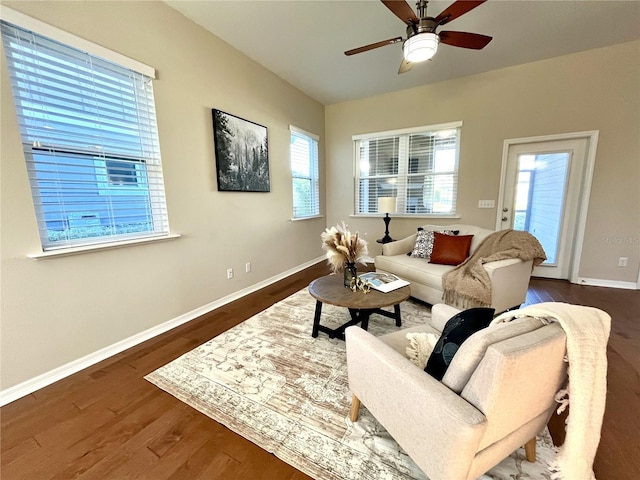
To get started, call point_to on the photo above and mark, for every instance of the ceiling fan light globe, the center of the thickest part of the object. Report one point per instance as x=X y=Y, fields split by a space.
x=420 y=47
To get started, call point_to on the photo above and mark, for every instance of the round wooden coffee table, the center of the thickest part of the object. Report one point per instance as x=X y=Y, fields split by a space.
x=330 y=289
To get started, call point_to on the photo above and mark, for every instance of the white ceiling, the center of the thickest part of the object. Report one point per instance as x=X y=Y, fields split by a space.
x=303 y=41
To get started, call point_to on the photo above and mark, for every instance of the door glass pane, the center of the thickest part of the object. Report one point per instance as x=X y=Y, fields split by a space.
x=540 y=196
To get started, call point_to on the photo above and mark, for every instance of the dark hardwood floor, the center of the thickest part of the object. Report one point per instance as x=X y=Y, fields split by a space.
x=107 y=422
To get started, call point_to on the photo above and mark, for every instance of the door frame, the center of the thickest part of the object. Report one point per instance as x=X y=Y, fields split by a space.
x=591 y=137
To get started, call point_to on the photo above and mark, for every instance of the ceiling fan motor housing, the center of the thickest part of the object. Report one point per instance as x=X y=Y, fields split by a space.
x=426 y=25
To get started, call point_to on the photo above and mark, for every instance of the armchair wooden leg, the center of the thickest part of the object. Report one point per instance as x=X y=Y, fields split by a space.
x=355 y=408
x=530 y=450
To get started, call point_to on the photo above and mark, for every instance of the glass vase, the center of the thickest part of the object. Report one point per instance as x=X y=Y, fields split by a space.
x=350 y=274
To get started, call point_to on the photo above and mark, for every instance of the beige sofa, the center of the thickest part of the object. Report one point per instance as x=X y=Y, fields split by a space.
x=509 y=278
x=497 y=394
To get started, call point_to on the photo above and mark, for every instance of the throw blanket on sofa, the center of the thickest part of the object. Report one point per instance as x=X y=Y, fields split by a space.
x=587 y=330
x=468 y=285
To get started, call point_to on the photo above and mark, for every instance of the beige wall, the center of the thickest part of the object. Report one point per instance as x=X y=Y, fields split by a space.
x=593 y=90
x=58 y=310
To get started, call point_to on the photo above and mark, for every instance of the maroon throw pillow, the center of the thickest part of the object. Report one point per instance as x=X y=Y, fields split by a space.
x=450 y=249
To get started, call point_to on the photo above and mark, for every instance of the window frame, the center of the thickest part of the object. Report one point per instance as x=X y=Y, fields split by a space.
x=314 y=172
x=147 y=170
x=403 y=166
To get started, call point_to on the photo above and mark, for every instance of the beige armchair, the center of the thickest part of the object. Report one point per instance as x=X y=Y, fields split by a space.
x=496 y=396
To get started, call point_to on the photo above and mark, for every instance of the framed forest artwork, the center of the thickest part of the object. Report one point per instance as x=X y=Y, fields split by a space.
x=242 y=154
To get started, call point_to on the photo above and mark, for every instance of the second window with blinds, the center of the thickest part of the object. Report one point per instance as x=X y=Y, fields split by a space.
x=90 y=139
x=418 y=167
x=304 y=172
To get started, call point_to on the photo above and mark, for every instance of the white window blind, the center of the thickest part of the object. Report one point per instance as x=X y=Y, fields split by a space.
x=90 y=140
x=419 y=167
x=304 y=170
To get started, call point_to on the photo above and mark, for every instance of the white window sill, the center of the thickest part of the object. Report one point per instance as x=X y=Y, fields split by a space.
x=404 y=215
x=306 y=218
x=100 y=246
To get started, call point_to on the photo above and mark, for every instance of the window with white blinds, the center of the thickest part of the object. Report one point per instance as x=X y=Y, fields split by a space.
x=419 y=167
x=304 y=172
x=90 y=141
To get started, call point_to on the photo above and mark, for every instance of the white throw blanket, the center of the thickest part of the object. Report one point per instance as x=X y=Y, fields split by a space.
x=420 y=347
x=587 y=330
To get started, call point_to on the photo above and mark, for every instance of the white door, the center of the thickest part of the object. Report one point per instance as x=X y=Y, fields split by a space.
x=541 y=193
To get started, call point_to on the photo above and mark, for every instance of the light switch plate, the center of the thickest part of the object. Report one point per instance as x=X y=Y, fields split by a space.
x=486 y=204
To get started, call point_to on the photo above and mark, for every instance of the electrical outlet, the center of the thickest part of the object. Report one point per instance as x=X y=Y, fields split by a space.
x=486 y=204
x=229 y=273
x=247 y=267
x=622 y=261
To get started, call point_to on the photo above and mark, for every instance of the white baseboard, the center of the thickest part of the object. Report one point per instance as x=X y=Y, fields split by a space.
x=597 y=282
x=10 y=394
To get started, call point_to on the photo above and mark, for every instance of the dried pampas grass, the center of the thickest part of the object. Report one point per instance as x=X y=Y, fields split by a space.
x=343 y=247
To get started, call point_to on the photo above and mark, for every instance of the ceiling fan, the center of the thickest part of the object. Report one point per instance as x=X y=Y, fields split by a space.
x=422 y=40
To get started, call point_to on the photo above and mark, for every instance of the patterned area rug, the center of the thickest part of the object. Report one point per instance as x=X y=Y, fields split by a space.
x=270 y=381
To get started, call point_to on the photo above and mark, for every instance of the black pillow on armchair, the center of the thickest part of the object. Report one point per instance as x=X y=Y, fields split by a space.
x=457 y=329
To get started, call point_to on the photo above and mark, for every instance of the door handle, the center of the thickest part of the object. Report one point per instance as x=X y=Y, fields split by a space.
x=505 y=209
x=504 y=219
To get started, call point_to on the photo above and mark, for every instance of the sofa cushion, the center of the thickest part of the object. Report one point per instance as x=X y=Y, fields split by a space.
x=414 y=270
x=473 y=350
x=459 y=327
x=449 y=249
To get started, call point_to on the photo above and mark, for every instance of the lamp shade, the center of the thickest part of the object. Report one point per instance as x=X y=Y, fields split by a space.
x=420 y=47
x=387 y=205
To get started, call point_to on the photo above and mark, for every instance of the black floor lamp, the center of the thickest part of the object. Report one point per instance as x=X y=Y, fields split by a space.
x=386 y=205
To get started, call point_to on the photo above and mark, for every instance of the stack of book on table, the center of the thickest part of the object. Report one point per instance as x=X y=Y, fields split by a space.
x=384 y=282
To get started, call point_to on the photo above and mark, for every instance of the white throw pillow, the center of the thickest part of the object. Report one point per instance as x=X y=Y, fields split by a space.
x=420 y=347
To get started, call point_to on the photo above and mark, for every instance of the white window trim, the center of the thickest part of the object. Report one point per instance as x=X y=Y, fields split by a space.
x=406 y=215
x=313 y=136
x=70 y=40
x=310 y=217
x=404 y=131
x=49 y=254
x=293 y=128
x=44 y=29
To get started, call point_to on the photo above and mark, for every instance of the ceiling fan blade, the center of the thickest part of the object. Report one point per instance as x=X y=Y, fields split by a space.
x=366 y=48
x=465 y=40
x=457 y=9
x=402 y=10
x=404 y=67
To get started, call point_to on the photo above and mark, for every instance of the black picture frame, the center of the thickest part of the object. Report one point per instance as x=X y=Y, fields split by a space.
x=242 y=154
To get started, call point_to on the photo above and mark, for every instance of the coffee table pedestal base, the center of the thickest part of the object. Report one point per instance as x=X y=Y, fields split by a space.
x=357 y=316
